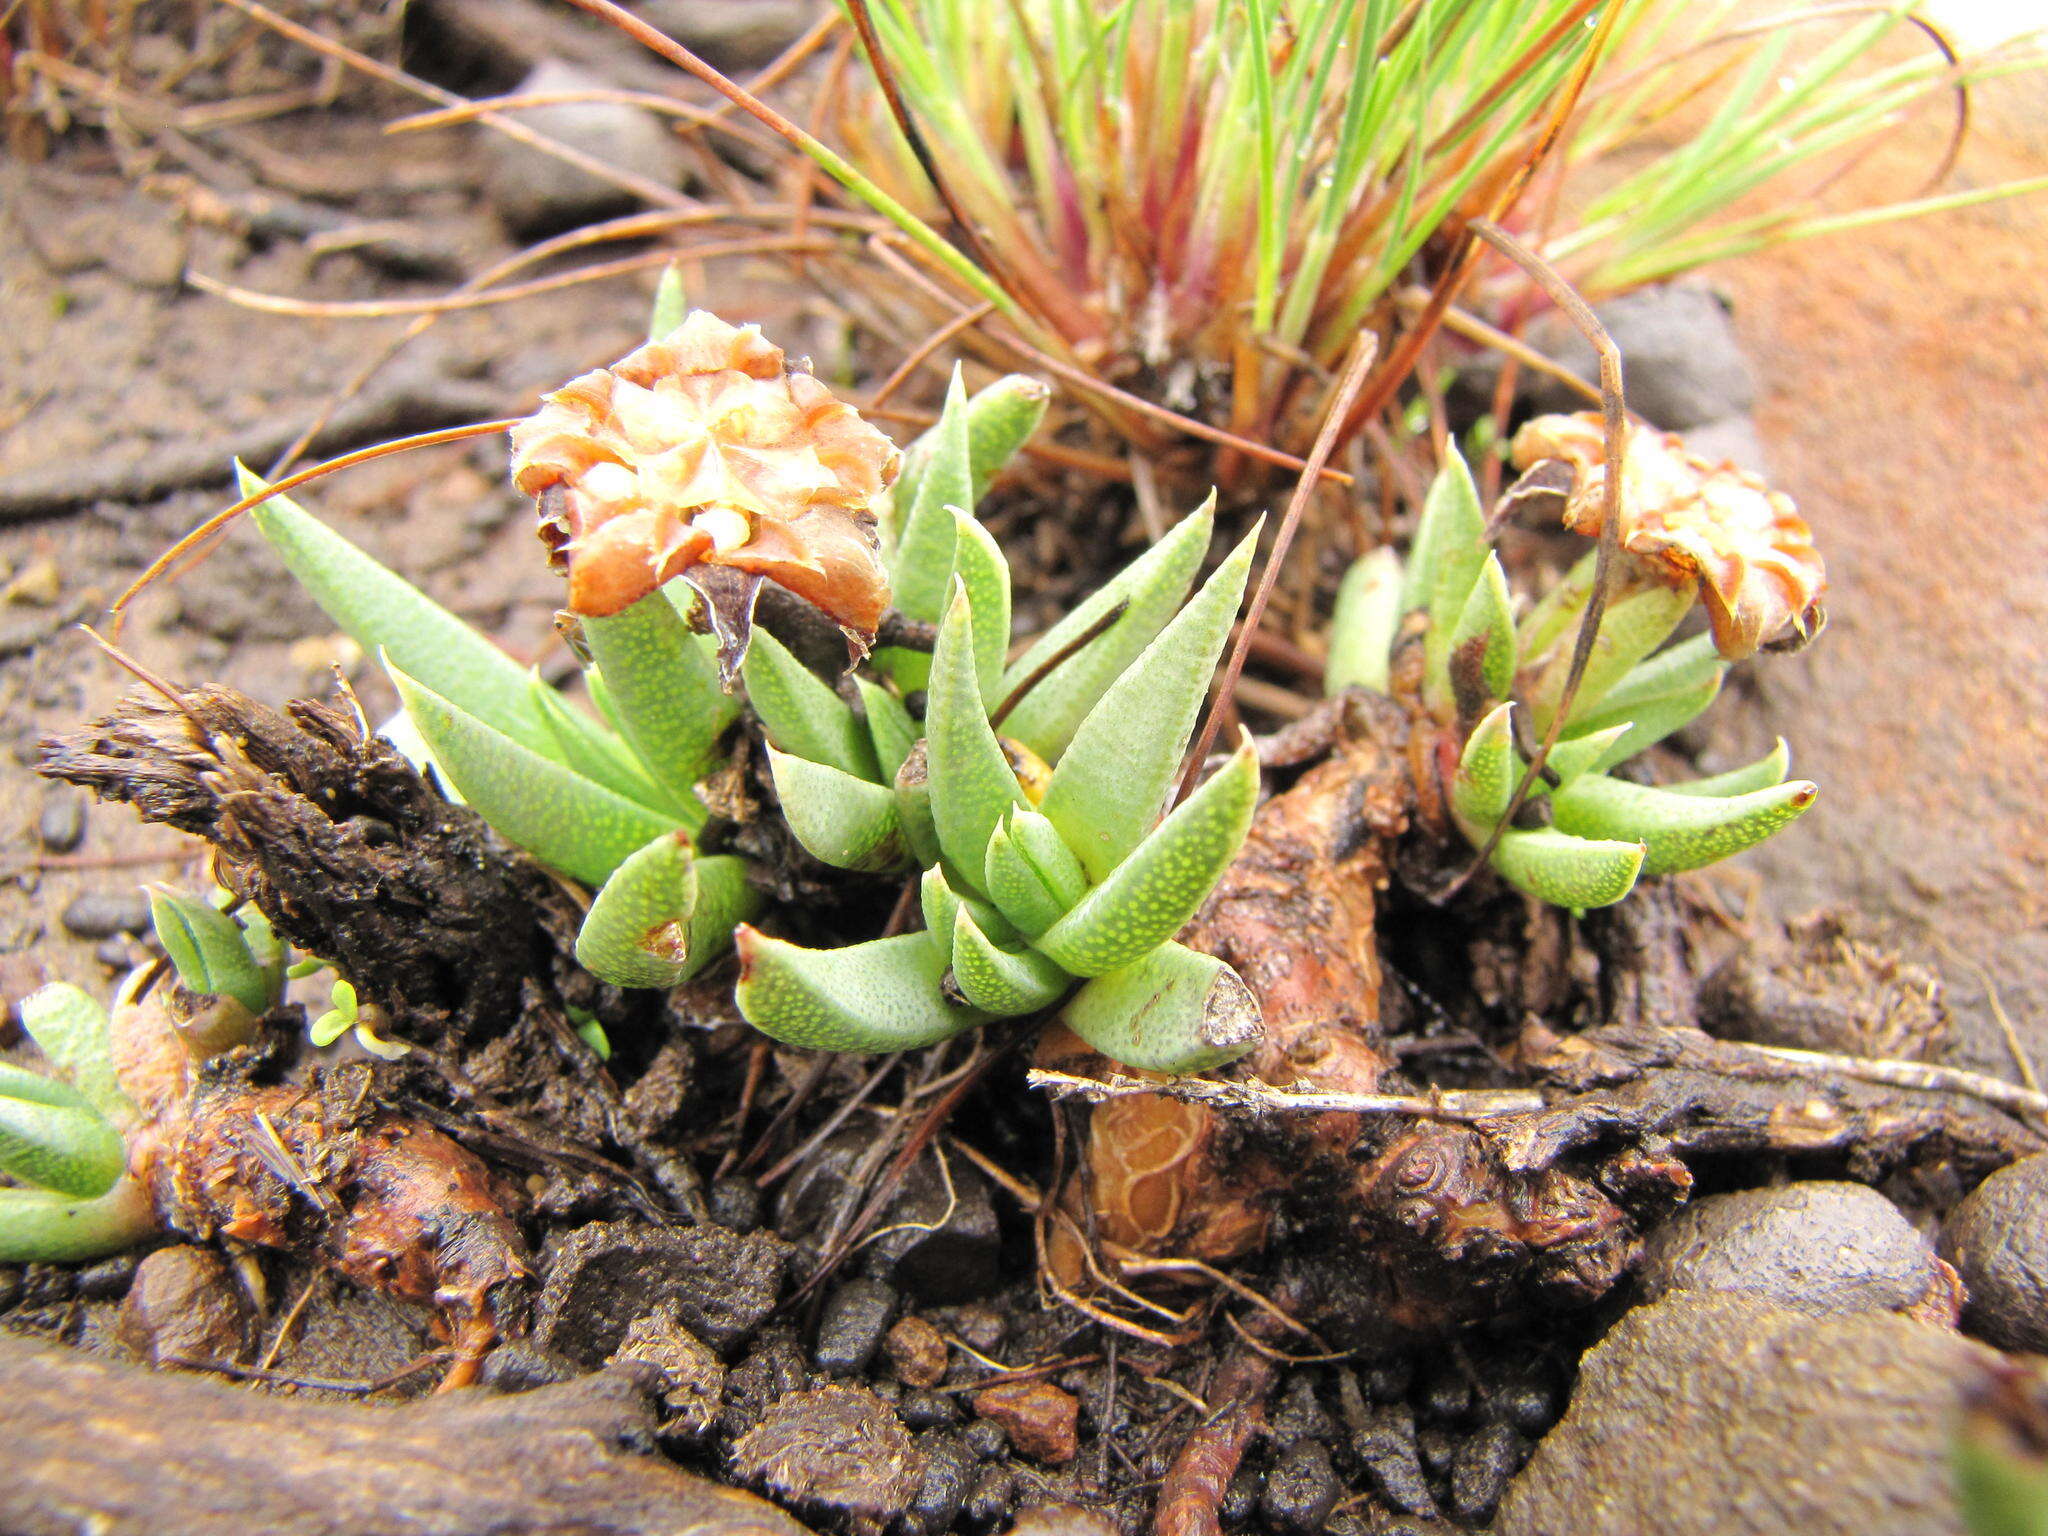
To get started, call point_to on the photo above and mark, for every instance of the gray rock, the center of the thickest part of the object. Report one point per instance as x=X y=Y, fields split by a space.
x=1723 y=1415
x=184 y=1305
x=1816 y=1247
x=536 y=194
x=605 y=1277
x=1998 y=1241
x=61 y=826
x=1301 y=1490
x=103 y=914
x=850 y=1326
x=732 y=32
x=1731 y=440
x=1681 y=364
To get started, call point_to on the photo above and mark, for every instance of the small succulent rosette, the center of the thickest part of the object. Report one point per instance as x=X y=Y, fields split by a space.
x=1691 y=531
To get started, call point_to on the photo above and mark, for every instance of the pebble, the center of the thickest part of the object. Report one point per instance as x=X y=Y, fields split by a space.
x=987 y=1439
x=948 y=1478
x=1063 y=1520
x=61 y=825
x=850 y=1326
x=116 y=954
x=536 y=194
x=1998 y=1241
x=520 y=1365
x=837 y=1449
x=103 y=914
x=1387 y=1381
x=1386 y=1443
x=917 y=1352
x=928 y=1410
x=184 y=1304
x=1819 y=1247
x=37 y=585
x=941 y=1241
x=1301 y=1490
x=1241 y=1497
x=605 y=1276
x=1685 y=367
x=1040 y=1419
x=109 y=1279
x=736 y=1203
x=1721 y=1414
x=1446 y=1394
x=1526 y=1402
x=993 y=1492
x=1731 y=440
x=1481 y=1469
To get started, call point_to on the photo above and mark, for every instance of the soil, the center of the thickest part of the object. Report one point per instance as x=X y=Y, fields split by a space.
x=1923 y=713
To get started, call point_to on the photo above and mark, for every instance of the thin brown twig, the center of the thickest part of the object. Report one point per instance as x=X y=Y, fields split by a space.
x=920 y=354
x=1254 y=1097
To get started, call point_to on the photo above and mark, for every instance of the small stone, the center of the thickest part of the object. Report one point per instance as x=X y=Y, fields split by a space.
x=1730 y=440
x=606 y=1276
x=1817 y=1247
x=1386 y=1443
x=1997 y=1239
x=1678 y=344
x=1040 y=1419
x=184 y=1304
x=917 y=1352
x=1446 y=1394
x=1299 y=1415
x=736 y=1203
x=118 y=954
x=1241 y=1497
x=61 y=826
x=109 y=1279
x=993 y=1493
x=1437 y=1447
x=948 y=1478
x=522 y=1366
x=987 y=1440
x=1481 y=1469
x=980 y=1328
x=731 y=35
x=1527 y=1403
x=103 y=914
x=537 y=194
x=850 y=1326
x=1062 y=1520
x=36 y=585
x=692 y=1377
x=835 y=1449
x=928 y=1410
x=941 y=1242
x=1301 y=1490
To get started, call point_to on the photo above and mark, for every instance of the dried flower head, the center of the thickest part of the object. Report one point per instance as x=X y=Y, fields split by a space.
x=1685 y=519
x=707 y=448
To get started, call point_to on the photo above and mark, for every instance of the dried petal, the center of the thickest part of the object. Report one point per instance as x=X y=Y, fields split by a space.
x=1688 y=519
x=706 y=448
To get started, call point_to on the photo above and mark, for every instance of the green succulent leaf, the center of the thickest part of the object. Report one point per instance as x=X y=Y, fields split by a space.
x=1558 y=610
x=661 y=679
x=1150 y=896
x=1679 y=831
x=885 y=995
x=1648 y=721
x=209 y=949
x=1031 y=874
x=850 y=823
x=671 y=303
x=1584 y=754
x=986 y=575
x=66 y=1148
x=1480 y=661
x=1450 y=548
x=1487 y=771
x=890 y=729
x=1107 y=789
x=801 y=714
x=914 y=807
x=664 y=914
x=40 y=1227
x=1767 y=770
x=561 y=818
x=921 y=571
x=971 y=780
x=1000 y=419
x=1629 y=631
x=71 y=1029
x=940 y=905
x=1175 y=1010
x=1150 y=590
x=1567 y=871
x=381 y=611
x=999 y=981
x=1363 y=628
x=34 y=1088
x=598 y=755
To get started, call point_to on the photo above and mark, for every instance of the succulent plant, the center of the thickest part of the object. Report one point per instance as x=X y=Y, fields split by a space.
x=1481 y=662
x=62 y=1140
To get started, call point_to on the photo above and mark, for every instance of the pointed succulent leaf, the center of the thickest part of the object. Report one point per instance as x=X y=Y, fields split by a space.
x=921 y=571
x=885 y=995
x=971 y=780
x=380 y=610
x=1556 y=614
x=1762 y=774
x=1573 y=872
x=1176 y=1010
x=1648 y=721
x=1362 y=629
x=1030 y=873
x=939 y=905
x=1629 y=631
x=1679 y=831
x=1487 y=771
x=1679 y=668
x=1449 y=543
x=890 y=729
x=67 y=1148
x=1150 y=591
x=1000 y=419
x=209 y=949
x=1479 y=665
x=561 y=818
x=850 y=823
x=1000 y=981
x=1588 y=753
x=662 y=682
x=664 y=915
x=71 y=1028
x=801 y=714
x=34 y=1088
x=598 y=755
x=39 y=1227
x=268 y=951
x=1150 y=896
x=1107 y=789
x=914 y=807
x=986 y=575
x=671 y=302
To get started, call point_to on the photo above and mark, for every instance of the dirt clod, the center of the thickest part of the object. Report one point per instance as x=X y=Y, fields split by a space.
x=1998 y=1241
x=1385 y=1442
x=692 y=1377
x=835 y=1449
x=851 y=1325
x=948 y=1478
x=1038 y=1417
x=917 y=1352
x=606 y=1276
x=184 y=1305
x=1301 y=1490
x=1481 y=1469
